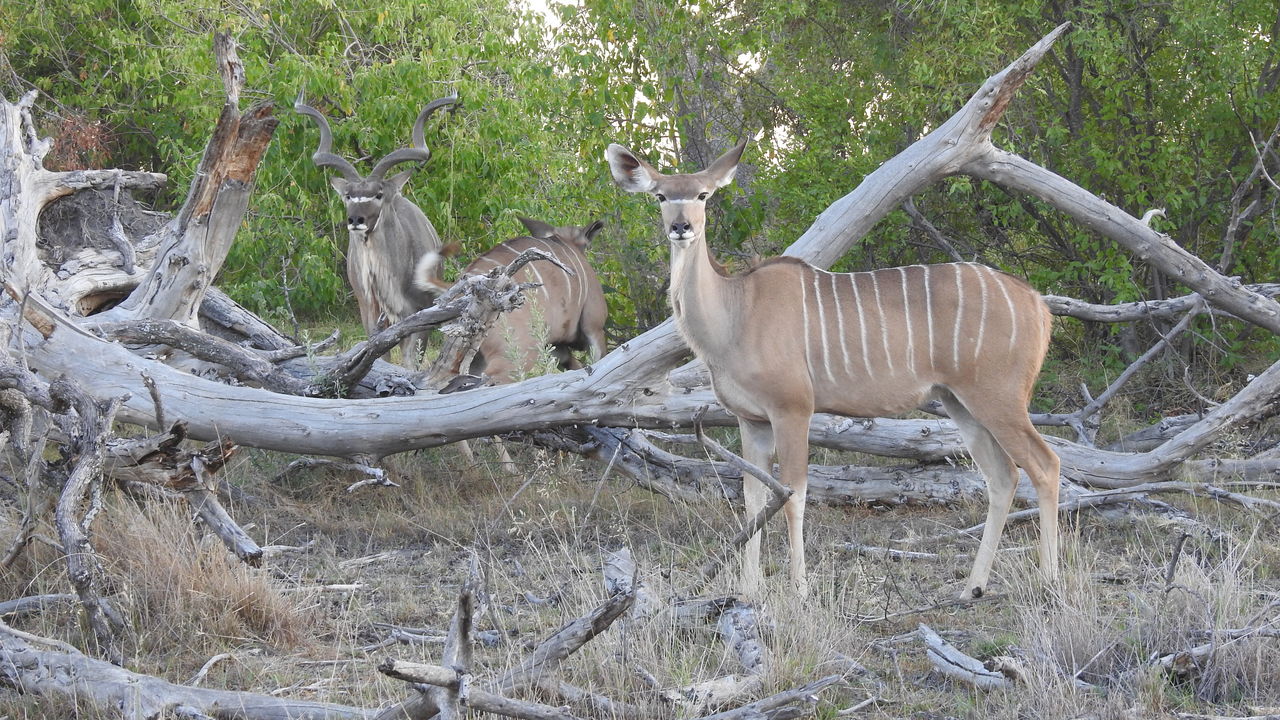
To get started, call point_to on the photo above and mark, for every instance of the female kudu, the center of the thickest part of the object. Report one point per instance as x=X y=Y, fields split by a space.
x=784 y=340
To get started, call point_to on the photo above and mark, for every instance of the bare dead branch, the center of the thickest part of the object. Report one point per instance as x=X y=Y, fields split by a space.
x=957 y=665
x=1079 y=420
x=66 y=672
x=82 y=487
x=242 y=364
x=482 y=700
x=457 y=651
x=805 y=696
x=205 y=502
x=564 y=642
x=34 y=604
x=1141 y=309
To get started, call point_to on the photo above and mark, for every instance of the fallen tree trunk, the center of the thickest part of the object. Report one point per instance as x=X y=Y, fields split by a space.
x=633 y=386
x=77 y=677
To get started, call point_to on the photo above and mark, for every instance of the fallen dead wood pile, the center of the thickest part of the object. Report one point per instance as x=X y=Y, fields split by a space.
x=457 y=684
x=174 y=346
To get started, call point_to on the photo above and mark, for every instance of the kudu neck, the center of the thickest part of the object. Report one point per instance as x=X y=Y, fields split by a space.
x=701 y=292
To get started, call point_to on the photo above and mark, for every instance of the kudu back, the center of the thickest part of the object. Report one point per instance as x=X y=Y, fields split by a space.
x=391 y=241
x=786 y=339
x=566 y=312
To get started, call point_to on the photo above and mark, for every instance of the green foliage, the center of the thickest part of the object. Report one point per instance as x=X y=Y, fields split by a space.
x=1147 y=105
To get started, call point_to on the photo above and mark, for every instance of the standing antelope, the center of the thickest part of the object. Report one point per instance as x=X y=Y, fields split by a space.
x=785 y=339
x=391 y=239
x=572 y=307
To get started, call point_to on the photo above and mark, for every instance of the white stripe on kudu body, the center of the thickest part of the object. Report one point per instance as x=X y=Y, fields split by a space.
x=567 y=311
x=840 y=329
x=906 y=315
x=863 y=349
x=884 y=327
x=773 y=369
x=827 y=360
x=982 y=315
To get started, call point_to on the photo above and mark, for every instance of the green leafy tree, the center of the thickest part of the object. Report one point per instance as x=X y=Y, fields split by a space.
x=1147 y=104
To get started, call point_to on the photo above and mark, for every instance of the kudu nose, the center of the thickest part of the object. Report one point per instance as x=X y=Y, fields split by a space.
x=680 y=227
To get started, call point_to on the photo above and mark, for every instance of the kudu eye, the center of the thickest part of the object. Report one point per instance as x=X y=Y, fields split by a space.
x=378 y=196
x=702 y=196
x=661 y=197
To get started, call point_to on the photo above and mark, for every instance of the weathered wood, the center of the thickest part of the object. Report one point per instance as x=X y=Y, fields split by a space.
x=121 y=693
x=483 y=700
x=492 y=293
x=1140 y=310
x=205 y=503
x=958 y=666
x=1267 y=510
x=805 y=696
x=598 y=705
x=82 y=490
x=626 y=388
x=451 y=702
x=630 y=387
x=239 y=363
x=1157 y=249
x=199 y=237
x=34 y=603
x=621 y=575
x=564 y=642
x=740 y=627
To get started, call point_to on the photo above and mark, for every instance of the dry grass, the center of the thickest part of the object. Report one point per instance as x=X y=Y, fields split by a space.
x=542 y=538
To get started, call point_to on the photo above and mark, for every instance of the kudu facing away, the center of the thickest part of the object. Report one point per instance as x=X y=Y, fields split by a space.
x=567 y=312
x=785 y=339
x=390 y=240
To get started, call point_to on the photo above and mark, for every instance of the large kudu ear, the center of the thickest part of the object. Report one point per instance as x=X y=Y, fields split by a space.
x=396 y=182
x=722 y=170
x=537 y=228
x=630 y=172
x=581 y=236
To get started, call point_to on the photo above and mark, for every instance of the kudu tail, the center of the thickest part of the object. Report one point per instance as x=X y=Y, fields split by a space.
x=427 y=276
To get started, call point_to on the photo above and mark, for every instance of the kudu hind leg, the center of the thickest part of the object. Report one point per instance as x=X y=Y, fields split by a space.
x=1043 y=467
x=1028 y=450
x=757 y=449
x=1002 y=480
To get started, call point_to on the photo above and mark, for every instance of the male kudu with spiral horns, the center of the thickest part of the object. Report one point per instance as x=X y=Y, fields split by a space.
x=391 y=241
x=784 y=340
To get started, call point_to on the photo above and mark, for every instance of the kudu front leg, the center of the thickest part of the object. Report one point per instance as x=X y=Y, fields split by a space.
x=757 y=449
x=791 y=438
